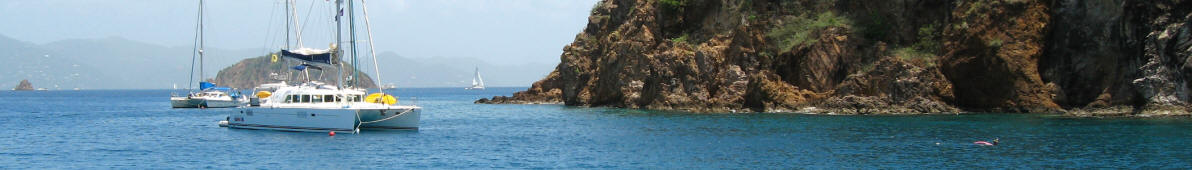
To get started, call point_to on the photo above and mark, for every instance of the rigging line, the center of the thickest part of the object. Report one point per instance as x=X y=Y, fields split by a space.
x=293 y=17
x=307 y=20
x=372 y=49
x=269 y=30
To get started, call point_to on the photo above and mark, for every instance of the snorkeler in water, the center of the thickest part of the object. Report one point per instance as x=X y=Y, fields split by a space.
x=985 y=143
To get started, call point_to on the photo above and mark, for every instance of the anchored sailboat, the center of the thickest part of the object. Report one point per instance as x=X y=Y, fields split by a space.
x=314 y=106
x=209 y=95
x=477 y=82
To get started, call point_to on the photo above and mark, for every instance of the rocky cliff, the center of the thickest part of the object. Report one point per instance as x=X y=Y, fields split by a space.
x=24 y=86
x=249 y=73
x=1102 y=58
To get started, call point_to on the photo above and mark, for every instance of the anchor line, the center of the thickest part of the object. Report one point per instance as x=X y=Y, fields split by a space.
x=387 y=118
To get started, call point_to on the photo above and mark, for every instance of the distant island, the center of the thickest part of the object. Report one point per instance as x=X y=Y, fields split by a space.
x=24 y=86
x=252 y=72
x=1082 y=58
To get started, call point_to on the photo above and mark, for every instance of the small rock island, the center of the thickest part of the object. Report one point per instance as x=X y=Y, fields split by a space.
x=24 y=86
x=251 y=72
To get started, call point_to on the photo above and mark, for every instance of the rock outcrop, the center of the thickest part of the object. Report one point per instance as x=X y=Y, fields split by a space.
x=252 y=72
x=24 y=86
x=1127 y=58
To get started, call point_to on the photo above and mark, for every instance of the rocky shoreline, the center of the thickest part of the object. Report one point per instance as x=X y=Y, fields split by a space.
x=1113 y=58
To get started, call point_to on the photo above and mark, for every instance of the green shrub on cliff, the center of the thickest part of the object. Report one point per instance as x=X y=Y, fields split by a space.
x=995 y=42
x=681 y=39
x=915 y=56
x=929 y=39
x=798 y=31
x=925 y=49
x=673 y=4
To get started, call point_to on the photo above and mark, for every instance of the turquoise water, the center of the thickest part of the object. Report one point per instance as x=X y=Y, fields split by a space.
x=137 y=129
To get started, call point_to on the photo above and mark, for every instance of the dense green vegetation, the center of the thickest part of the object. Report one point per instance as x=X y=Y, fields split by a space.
x=798 y=31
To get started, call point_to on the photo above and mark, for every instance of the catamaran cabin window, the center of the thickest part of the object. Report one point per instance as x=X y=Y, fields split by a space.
x=289 y=99
x=328 y=98
x=316 y=99
x=305 y=98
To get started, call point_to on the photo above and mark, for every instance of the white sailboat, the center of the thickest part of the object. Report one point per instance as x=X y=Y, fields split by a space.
x=317 y=107
x=477 y=82
x=209 y=96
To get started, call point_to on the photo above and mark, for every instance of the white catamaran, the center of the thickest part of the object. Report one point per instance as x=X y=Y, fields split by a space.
x=209 y=96
x=477 y=82
x=314 y=106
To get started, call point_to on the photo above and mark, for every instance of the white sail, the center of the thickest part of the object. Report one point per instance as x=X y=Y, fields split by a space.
x=479 y=79
x=477 y=82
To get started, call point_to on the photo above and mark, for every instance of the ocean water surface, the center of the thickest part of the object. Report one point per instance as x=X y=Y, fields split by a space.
x=138 y=129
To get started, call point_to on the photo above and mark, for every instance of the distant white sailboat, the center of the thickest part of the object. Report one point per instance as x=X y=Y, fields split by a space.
x=477 y=82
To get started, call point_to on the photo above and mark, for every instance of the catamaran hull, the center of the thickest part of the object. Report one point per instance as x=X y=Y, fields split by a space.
x=390 y=119
x=322 y=120
x=183 y=102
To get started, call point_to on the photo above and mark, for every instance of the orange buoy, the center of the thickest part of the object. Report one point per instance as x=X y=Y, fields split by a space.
x=332 y=133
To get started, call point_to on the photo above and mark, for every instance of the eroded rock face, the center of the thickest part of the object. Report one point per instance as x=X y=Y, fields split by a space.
x=993 y=49
x=1120 y=57
x=864 y=57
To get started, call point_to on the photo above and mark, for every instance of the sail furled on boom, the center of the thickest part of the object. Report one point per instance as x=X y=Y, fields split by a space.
x=312 y=55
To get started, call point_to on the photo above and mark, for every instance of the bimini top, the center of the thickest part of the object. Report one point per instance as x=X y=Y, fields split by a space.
x=211 y=86
x=310 y=55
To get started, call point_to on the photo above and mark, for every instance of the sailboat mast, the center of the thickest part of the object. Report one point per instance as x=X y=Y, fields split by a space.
x=198 y=20
x=372 y=48
x=352 y=41
x=287 y=46
x=338 y=40
x=201 y=76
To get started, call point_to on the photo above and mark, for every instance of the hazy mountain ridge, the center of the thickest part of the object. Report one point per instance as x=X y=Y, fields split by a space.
x=42 y=67
x=107 y=63
x=118 y=63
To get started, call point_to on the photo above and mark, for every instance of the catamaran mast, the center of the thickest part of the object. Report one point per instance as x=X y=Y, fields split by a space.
x=372 y=49
x=287 y=46
x=352 y=41
x=336 y=55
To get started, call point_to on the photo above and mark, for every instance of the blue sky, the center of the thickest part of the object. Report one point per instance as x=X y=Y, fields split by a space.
x=496 y=31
